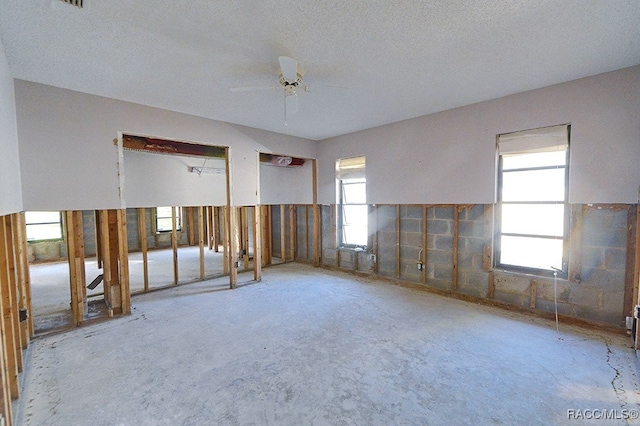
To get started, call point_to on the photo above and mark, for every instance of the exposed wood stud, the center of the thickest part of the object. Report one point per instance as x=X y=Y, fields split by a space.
x=225 y=240
x=630 y=264
x=317 y=243
x=191 y=232
x=114 y=296
x=283 y=234
x=454 y=272
x=142 y=237
x=423 y=275
x=247 y=225
x=23 y=277
x=265 y=231
x=492 y=285
x=210 y=210
x=292 y=232
x=375 y=240
x=306 y=232
x=575 y=243
x=5 y=370
x=257 y=238
x=487 y=250
x=334 y=226
x=77 y=278
x=9 y=328
x=14 y=284
x=123 y=257
x=534 y=290
x=398 y=260
x=233 y=247
x=636 y=274
x=174 y=245
x=201 y=236
x=98 y=235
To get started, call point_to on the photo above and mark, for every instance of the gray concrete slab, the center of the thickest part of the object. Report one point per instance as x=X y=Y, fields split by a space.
x=307 y=346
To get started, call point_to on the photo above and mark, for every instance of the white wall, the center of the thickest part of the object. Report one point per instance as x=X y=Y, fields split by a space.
x=68 y=159
x=10 y=192
x=286 y=185
x=153 y=180
x=449 y=157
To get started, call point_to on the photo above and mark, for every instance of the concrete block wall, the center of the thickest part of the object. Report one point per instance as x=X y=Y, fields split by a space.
x=595 y=293
x=440 y=247
x=472 y=278
x=304 y=233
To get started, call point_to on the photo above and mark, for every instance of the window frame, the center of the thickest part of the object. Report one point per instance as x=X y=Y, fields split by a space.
x=563 y=272
x=178 y=225
x=60 y=222
x=341 y=210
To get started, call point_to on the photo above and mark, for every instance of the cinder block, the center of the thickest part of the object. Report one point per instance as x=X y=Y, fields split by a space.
x=411 y=212
x=465 y=261
x=444 y=212
x=471 y=245
x=593 y=257
x=411 y=239
x=443 y=243
x=476 y=279
x=509 y=283
x=410 y=225
x=612 y=302
x=475 y=213
x=544 y=290
x=473 y=290
x=439 y=227
x=616 y=219
x=511 y=298
x=584 y=295
x=440 y=257
x=439 y=284
x=441 y=272
x=615 y=258
x=564 y=308
x=591 y=314
x=609 y=280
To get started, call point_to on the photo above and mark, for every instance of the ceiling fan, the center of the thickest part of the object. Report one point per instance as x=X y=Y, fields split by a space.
x=290 y=79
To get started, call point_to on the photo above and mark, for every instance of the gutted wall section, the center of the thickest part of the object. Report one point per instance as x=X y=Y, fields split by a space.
x=457 y=259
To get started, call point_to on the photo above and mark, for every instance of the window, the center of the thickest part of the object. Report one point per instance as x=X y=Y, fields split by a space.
x=533 y=209
x=352 y=201
x=43 y=226
x=163 y=219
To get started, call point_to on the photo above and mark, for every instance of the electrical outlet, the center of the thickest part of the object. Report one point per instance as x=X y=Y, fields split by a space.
x=372 y=257
x=420 y=265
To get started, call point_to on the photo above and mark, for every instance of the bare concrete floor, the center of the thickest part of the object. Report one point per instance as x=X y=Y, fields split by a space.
x=307 y=346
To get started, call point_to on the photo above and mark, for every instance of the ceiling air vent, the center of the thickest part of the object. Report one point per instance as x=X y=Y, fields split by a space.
x=74 y=2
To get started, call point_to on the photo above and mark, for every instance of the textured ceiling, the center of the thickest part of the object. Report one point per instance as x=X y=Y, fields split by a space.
x=368 y=62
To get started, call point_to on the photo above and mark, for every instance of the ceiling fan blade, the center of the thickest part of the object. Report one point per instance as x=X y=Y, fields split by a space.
x=289 y=68
x=250 y=88
x=292 y=103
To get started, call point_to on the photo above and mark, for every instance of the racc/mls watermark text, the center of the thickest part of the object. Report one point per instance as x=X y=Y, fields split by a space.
x=603 y=414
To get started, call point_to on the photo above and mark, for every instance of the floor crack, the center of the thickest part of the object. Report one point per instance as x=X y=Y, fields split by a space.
x=616 y=382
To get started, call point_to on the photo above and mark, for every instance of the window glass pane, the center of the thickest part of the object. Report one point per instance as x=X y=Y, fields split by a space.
x=163 y=212
x=51 y=231
x=539 y=159
x=354 y=215
x=164 y=224
x=533 y=185
x=536 y=219
x=354 y=234
x=539 y=253
x=354 y=193
x=41 y=217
